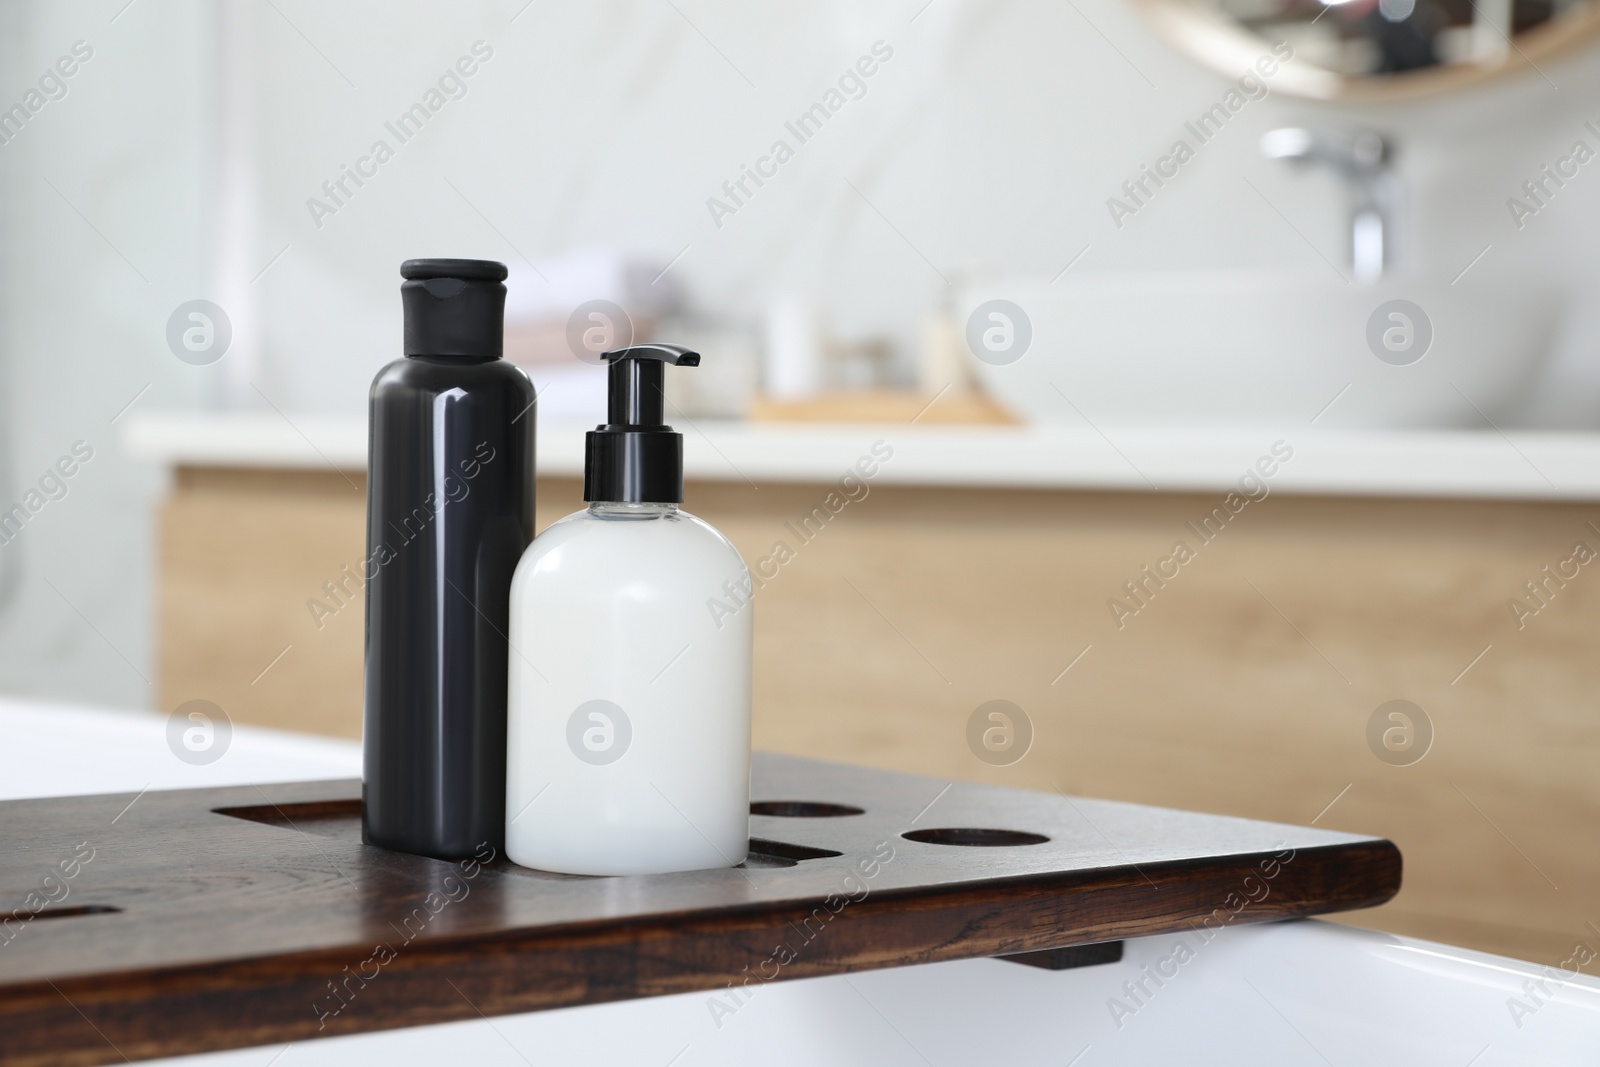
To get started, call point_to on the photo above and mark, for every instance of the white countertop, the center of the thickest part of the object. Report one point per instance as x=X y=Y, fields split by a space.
x=1462 y=464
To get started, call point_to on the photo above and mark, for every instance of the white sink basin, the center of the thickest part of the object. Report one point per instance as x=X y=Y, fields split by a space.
x=1214 y=348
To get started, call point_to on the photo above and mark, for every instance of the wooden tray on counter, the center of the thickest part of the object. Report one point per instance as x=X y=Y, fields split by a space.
x=205 y=919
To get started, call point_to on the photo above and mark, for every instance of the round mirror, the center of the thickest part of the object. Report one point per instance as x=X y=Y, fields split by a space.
x=1373 y=49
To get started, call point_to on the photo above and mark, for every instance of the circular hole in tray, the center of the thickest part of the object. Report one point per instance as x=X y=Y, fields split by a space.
x=974 y=837
x=803 y=809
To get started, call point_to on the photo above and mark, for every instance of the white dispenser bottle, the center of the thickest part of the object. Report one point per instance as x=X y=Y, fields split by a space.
x=628 y=744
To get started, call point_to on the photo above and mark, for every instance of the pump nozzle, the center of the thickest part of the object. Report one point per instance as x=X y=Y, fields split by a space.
x=676 y=355
x=637 y=381
x=635 y=457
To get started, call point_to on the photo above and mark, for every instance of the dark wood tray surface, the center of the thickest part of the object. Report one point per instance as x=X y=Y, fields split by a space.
x=191 y=929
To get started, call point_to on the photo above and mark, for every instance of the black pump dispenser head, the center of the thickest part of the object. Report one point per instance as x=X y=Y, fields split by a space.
x=636 y=458
x=454 y=307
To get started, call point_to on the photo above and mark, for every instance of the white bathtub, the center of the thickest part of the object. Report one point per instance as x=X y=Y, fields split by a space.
x=1279 y=994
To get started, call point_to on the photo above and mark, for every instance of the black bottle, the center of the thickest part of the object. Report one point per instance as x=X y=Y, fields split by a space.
x=449 y=513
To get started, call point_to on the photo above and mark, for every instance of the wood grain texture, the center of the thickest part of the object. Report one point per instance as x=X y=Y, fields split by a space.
x=253 y=927
x=243 y=555
x=1244 y=687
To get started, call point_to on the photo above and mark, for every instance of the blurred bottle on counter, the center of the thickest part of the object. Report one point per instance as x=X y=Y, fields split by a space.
x=795 y=367
x=945 y=362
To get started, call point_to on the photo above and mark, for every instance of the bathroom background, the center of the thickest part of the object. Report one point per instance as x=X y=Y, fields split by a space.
x=201 y=151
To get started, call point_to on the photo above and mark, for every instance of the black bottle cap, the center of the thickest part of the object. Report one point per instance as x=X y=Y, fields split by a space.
x=454 y=307
x=636 y=458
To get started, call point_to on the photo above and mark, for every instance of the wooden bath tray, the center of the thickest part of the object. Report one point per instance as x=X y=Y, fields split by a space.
x=207 y=919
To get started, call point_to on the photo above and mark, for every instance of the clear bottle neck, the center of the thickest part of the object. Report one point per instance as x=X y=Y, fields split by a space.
x=616 y=509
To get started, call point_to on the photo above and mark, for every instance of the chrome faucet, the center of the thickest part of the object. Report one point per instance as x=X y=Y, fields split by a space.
x=1364 y=161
